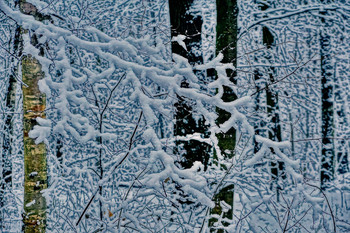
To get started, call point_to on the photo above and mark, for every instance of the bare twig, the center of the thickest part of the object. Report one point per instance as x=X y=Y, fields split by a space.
x=86 y=208
x=121 y=161
x=299 y=219
x=110 y=96
x=329 y=206
x=288 y=75
x=127 y=193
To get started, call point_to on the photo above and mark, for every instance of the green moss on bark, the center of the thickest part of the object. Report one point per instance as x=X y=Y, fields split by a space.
x=35 y=174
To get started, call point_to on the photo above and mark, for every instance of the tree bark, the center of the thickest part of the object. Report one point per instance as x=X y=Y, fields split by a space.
x=226 y=43
x=183 y=23
x=35 y=174
x=327 y=97
x=275 y=134
x=259 y=107
x=35 y=169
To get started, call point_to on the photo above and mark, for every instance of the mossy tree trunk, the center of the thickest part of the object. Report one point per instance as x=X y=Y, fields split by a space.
x=35 y=174
x=35 y=169
x=226 y=43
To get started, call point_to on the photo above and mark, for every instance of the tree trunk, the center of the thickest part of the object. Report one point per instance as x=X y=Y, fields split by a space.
x=35 y=171
x=35 y=174
x=327 y=76
x=275 y=134
x=183 y=23
x=275 y=130
x=259 y=124
x=226 y=43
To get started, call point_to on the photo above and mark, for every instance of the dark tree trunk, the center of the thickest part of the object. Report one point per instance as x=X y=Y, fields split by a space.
x=226 y=43
x=183 y=23
x=342 y=154
x=327 y=77
x=277 y=167
x=259 y=108
x=275 y=129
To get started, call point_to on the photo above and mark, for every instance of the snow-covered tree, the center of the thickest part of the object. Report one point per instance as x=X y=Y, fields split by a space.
x=147 y=129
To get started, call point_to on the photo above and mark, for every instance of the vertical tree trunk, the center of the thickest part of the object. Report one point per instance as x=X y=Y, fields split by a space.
x=183 y=23
x=259 y=107
x=277 y=168
x=275 y=129
x=327 y=72
x=35 y=174
x=226 y=43
x=273 y=112
x=35 y=171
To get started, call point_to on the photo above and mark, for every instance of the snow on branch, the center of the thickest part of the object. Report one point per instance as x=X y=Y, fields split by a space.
x=78 y=89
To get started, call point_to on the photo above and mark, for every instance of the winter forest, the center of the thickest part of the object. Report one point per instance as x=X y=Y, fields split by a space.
x=174 y=116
